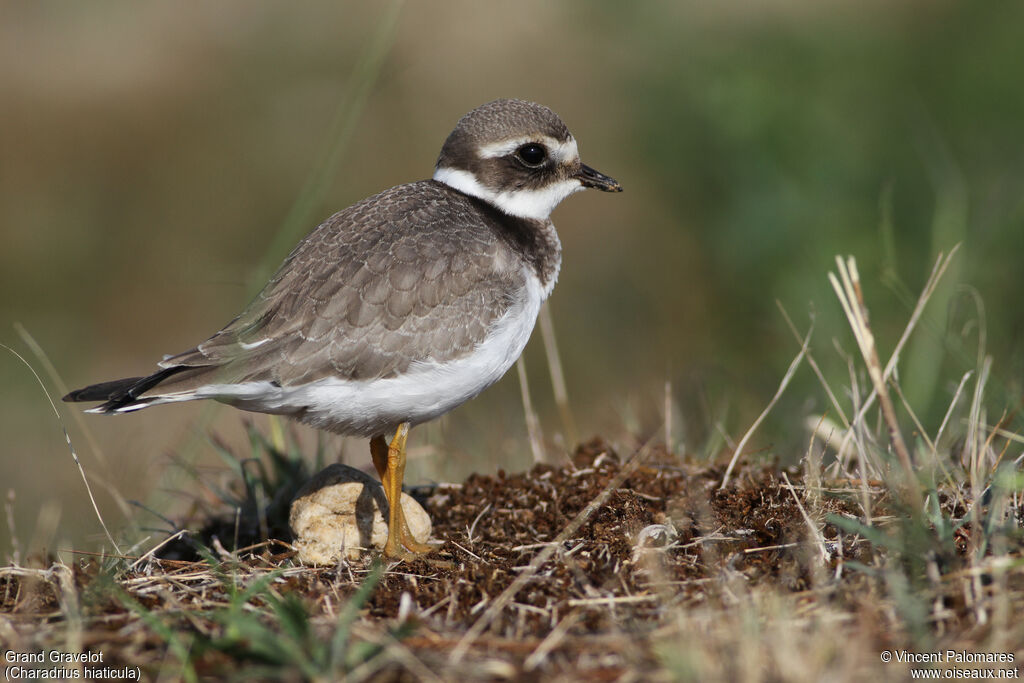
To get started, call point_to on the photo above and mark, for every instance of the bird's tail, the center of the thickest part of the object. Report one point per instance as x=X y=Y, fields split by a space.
x=123 y=395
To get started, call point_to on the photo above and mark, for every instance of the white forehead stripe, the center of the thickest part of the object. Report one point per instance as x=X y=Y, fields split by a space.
x=537 y=204
x=562 y=151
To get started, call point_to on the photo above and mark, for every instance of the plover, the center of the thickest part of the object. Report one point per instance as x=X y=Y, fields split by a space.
x=400 y=307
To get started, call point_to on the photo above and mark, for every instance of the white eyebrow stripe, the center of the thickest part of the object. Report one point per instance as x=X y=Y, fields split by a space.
x=566 y=152
x=562 y=151
x=500 y=149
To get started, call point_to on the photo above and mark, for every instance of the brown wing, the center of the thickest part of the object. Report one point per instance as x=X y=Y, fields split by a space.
x=412 y=274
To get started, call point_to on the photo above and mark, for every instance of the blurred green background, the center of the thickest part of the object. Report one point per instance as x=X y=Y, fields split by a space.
x=157 y=160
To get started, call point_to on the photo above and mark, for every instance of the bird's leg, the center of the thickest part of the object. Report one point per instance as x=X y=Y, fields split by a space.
x=401 y=542
x=379 y=453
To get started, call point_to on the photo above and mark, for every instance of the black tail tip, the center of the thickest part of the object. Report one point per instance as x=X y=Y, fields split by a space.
x=104 y=391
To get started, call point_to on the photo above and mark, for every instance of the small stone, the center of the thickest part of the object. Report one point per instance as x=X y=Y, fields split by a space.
x=652 y=542
x=341 y=511
x=656 y=536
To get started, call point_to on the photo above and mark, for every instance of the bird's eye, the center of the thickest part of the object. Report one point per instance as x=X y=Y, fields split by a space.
x=532 y=154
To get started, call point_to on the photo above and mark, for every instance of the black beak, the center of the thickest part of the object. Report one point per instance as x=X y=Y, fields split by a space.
x=588 y=177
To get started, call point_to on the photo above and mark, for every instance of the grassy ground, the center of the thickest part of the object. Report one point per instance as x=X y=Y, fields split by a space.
x=621 y=561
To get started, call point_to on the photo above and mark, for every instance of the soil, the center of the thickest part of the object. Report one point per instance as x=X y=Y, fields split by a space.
x=664 y=537
x=494 y=525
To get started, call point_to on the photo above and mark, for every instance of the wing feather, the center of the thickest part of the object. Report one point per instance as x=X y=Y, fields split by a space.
x=408 y=276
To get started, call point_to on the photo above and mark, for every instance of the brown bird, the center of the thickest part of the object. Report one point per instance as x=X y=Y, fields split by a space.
x=401 y=307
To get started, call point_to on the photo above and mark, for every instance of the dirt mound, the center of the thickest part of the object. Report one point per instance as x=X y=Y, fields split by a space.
x=595 y=569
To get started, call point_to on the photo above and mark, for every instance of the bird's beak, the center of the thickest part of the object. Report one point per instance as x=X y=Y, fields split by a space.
x=588 y=177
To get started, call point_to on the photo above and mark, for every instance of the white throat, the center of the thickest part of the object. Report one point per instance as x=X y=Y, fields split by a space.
x=537 y=204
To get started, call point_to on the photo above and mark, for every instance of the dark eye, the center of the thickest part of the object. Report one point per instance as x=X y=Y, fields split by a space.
x=532 y=154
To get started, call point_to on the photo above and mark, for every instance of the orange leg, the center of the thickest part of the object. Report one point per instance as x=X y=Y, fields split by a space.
x=379 y=453
x=389 y=460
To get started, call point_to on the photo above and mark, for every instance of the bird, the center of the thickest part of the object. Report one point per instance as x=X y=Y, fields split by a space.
x=400 y=307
